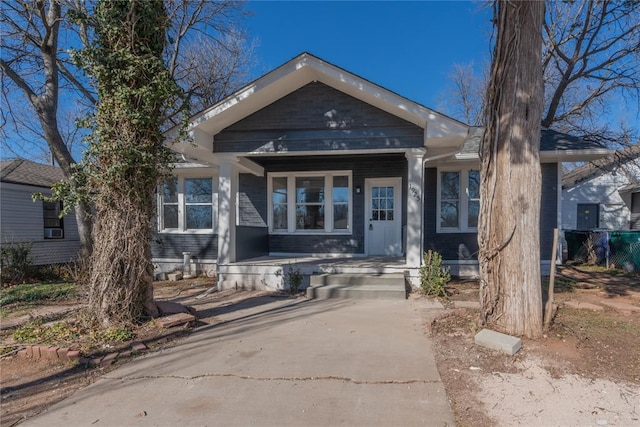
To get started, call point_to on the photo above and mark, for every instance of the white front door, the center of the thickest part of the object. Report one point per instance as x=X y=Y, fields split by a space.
x=383 y=221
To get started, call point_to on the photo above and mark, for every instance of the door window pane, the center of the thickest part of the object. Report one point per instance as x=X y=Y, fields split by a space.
x=382 y=208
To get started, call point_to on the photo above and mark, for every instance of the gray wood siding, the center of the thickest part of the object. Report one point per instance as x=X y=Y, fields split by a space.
x=21 y=220
x=362 y=167
x=252 y=233
x=201 y=246
x=317 y=117
x=449 y=244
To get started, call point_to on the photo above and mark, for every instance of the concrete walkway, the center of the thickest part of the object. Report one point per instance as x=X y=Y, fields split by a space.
x=280 y=362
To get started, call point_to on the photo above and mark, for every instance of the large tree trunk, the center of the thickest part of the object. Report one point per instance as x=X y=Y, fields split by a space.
x=128 y=158
x=121 y=290
x=509 y=224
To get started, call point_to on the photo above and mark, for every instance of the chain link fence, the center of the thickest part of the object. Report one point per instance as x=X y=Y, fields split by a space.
x=613 y=249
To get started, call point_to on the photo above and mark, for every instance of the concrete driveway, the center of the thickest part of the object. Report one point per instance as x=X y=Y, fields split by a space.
x=278 y=362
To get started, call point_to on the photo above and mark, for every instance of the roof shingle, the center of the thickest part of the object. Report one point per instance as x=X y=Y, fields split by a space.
x=26 y=172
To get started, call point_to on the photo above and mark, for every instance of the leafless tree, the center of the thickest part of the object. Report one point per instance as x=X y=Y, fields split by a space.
x=470 y=90
x=36 y=45
x=210 y=72
x=33 y=62
x=508 y=231
x=591 y=66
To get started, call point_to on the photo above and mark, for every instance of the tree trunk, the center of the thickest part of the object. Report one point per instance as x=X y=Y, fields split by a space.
x=121 y=282
x=509 y=224
x=127 y=156
x=46 y=109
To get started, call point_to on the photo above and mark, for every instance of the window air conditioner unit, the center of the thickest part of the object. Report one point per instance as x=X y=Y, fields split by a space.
x=53 y=233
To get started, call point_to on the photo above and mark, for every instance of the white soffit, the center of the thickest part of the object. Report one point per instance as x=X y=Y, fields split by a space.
x=307 y=68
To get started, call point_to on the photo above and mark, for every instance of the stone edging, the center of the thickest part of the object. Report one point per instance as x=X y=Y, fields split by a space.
x=63 y=354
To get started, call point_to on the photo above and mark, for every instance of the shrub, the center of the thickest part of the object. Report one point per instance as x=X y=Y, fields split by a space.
x=433 y=276
x=15 y=262
x=294 y=278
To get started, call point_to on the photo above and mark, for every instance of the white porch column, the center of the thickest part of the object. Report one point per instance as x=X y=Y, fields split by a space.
x=227 y=193
x=414 y=206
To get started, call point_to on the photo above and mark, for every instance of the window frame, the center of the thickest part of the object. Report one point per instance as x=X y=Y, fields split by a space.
x=292 y=203
x=464 y=199
x=182 y=205
x=58 y=218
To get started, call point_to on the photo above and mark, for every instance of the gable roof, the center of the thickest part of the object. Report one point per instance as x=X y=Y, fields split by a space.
x=600 y=166
x=26 y=172
x=440 y=130
x=554 y=145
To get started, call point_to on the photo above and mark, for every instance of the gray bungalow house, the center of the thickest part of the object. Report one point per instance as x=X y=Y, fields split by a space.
x=313 y=166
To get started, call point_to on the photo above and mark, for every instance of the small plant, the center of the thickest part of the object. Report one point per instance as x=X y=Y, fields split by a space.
x=433 y=276
x=294 y=278
x=15 y=262
x=116 y=335
x=36 y=292
x=36 y=332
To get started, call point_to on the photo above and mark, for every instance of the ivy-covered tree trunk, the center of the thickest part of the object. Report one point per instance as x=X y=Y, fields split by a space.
x=509 y=223
x=126 y=157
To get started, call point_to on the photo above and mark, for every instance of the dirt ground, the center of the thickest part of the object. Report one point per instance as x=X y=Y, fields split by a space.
x=585 y=371
x=28 y=387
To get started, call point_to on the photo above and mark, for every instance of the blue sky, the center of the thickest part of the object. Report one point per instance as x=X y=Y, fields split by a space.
x=407 y=47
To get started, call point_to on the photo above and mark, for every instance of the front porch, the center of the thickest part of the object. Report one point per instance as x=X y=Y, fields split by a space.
x=271 y=272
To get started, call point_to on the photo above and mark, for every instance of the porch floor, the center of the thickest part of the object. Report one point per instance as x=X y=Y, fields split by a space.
x=322 y=263
x=270 y=272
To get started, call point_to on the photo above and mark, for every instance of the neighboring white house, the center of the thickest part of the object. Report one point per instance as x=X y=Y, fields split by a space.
x=54 y=240
x=604 y=193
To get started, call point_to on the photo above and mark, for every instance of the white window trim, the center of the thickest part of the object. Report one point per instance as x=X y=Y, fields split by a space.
x=463 y=214
x=188 y=174
x=291 y=202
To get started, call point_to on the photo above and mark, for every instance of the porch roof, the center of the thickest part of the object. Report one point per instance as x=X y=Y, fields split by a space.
x=554 y=146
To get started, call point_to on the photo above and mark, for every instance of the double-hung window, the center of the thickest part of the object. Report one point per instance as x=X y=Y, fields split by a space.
x=458 y=200
x=53 y=223
x=310 y=202
x=187 y=204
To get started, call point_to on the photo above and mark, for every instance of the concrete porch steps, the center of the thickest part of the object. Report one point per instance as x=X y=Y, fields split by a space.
x=357 y=286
